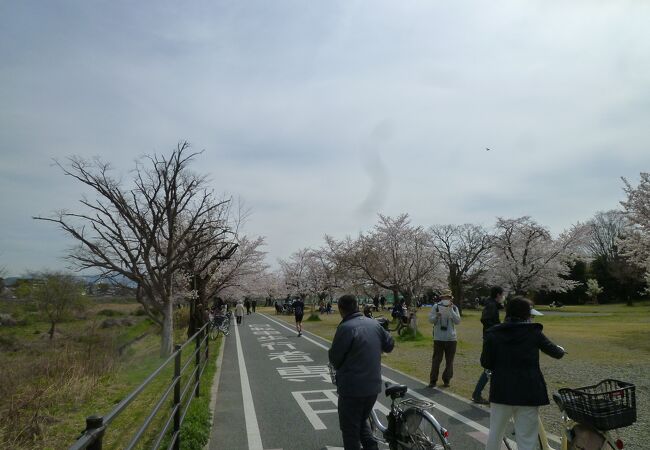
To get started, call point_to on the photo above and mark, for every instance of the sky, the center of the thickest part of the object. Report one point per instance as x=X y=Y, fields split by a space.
x=319 y=115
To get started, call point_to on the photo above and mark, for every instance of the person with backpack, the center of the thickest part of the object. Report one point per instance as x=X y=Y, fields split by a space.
x=444 y=316
x=298 y=312
x=489 y=318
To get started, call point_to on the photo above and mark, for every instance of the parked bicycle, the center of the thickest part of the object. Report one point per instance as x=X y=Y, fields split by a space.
x=590 y=413
x=400 y=325
x=410 y=424
x=220 y=324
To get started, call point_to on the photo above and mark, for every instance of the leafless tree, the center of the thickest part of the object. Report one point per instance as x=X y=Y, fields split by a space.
x=465 y=251
x=605 y=230
x=142 y=233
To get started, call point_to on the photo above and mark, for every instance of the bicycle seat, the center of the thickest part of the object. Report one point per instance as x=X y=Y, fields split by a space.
x=396 y=390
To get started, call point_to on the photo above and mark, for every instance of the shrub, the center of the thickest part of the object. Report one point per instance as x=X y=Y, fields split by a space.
x=313 y=317
x=110 y=313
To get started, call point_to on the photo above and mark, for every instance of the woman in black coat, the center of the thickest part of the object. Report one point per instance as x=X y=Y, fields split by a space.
x=517 y=388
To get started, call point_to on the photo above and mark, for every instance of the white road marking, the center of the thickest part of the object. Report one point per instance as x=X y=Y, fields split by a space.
x=329 y=395
x=252 y=427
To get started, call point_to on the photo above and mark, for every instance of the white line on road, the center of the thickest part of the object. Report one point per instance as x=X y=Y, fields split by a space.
x=252 y=427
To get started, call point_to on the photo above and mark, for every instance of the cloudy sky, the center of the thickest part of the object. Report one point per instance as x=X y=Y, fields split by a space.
x=320 y=114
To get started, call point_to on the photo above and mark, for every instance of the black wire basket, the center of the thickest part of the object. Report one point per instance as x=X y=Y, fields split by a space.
x=607 y=405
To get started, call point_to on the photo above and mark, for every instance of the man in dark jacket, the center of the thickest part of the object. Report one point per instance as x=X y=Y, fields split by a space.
x=489 y=318
x=355 y=354
x=511 y=352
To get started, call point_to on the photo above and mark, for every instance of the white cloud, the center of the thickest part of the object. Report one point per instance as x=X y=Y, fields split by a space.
x=300 y=105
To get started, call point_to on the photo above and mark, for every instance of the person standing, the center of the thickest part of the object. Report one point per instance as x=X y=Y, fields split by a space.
x=382 y=302
x=355 y=354
x=253 y=304
x=489 y=318
x=247 y=304
x=517 y=388
x=298 y=312
x=239 y=312
x=444 y=316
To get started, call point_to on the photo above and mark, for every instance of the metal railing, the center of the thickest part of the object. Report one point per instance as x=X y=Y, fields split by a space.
x=92 y=437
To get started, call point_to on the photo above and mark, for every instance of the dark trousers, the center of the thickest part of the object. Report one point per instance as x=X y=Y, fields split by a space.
x=254 y=305
x=239 y=319
x=482 y=381
x=440 y=348
x=353 y=420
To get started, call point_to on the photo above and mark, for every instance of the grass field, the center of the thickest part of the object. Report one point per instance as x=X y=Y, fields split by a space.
x=50 y=387
x=603 y=341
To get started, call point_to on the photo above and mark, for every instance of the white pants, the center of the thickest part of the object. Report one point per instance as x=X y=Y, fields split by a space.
x=526 y=425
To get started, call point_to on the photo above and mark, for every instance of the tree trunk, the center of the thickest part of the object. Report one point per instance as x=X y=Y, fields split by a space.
x=456 y=286
x=167 y=337
x=51 y=332
x=395 y=296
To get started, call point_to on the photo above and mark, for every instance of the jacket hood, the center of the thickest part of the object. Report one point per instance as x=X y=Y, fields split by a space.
x=515 y=331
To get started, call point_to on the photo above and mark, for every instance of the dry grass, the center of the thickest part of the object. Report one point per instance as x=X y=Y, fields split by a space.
x=613 y=344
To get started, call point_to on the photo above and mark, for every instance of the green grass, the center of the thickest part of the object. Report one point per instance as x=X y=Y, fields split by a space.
x=81 y=373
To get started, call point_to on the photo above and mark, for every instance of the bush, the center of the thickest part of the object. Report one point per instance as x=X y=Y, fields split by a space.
x=140 y=312
x=110 y=313
x=313 y=317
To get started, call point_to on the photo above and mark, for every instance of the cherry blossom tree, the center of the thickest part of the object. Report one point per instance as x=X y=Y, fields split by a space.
x=636 y=244
x=526 y=257
x=394 y=255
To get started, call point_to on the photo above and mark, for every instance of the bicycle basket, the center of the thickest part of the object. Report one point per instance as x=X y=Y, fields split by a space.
x=605 y=406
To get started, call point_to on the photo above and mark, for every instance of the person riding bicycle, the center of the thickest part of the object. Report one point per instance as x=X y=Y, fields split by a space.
x=517 y=388
x=355 y=354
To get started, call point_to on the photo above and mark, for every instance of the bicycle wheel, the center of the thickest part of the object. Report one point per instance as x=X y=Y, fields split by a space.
x=420 y=432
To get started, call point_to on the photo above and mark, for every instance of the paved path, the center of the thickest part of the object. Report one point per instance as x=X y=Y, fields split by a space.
x=275 y=392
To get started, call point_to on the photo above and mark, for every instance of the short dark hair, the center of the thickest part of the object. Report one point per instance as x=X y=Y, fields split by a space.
x=348 y=304
x=519 y=308
x=496 y=291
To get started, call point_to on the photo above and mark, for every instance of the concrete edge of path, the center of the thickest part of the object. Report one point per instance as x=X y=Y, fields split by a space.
x=214 y=392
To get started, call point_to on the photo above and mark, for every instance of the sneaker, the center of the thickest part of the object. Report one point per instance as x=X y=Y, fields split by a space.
x=299 y=334
x=480 y=400
x=445 y=385
x=431 y=385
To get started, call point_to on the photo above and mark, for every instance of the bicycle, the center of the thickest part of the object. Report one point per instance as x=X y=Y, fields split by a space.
x=589 y=414
x=410 y=425
x=220 y=324
x=399 y=325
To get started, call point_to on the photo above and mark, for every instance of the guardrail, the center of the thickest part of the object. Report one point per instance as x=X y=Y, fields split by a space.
x=91 y=438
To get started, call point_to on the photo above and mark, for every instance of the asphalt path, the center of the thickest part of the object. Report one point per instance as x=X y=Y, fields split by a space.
x=275 y=392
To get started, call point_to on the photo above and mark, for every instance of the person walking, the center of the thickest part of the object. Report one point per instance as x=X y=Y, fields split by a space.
x=253 y=304
x=444 y=316
x=355 y=354
x=298 y=312
x=489 y=318
x=517 y=388
x=247 y=305
x=239 y=312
